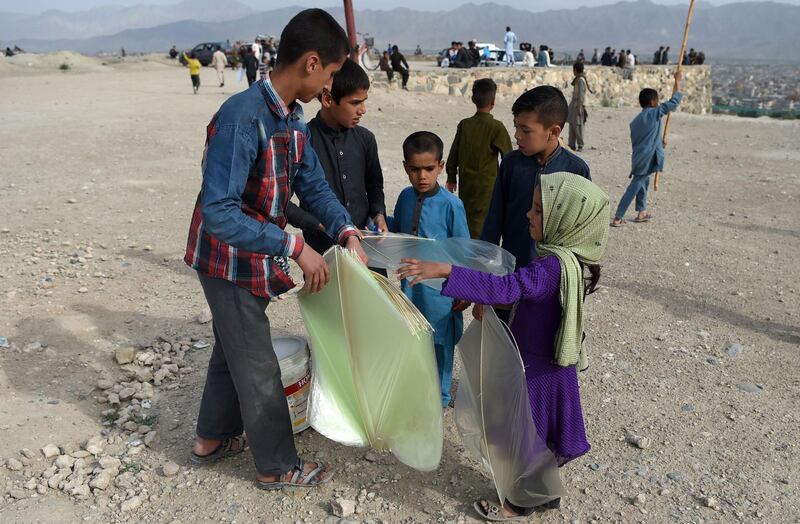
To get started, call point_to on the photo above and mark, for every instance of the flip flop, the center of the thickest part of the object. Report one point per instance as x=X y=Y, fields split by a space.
x=299 y=478
x=645 y=218
x=495 y=513
x=617 y=224
x=225 y=449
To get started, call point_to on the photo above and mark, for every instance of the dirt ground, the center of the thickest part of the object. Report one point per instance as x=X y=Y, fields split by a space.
x=693 y=338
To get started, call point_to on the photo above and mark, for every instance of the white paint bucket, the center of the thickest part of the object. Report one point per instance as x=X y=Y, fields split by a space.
x=293 y=358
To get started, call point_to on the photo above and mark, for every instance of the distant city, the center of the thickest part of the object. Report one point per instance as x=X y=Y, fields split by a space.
x=756 y=90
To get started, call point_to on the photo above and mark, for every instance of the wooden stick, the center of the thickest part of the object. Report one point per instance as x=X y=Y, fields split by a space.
x=675 y=86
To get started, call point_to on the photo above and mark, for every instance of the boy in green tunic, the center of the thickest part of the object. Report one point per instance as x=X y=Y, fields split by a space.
x=473 y=158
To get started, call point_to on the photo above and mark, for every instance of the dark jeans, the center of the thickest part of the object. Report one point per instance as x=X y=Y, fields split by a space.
x=243 y=390
x=251 y=78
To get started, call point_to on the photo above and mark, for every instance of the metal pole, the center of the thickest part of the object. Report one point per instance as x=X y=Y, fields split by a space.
x=350 y=22
x=675 y=85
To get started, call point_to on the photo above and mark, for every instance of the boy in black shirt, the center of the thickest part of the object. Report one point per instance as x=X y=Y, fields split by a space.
x=400 y=65
x=349 y=156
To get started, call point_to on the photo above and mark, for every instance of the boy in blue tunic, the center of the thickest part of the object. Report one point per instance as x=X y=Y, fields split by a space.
x=648 y=151
x=426 y=210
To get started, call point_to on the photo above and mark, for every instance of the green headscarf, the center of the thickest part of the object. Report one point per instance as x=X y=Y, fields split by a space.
x=575 y=222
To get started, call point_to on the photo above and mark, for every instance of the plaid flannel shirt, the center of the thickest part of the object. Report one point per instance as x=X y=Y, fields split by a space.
x=257 y=154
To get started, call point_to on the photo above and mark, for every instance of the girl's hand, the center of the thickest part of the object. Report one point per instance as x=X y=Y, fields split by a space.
x=477 y=312
x=422 y=270
x=460 y=305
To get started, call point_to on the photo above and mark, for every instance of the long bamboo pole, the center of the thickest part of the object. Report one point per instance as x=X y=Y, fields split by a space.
x=350 y=22
x=675 y=86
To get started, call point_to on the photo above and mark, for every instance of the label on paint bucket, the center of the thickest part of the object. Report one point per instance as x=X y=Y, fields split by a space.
x=293 y=358
x=297 y=398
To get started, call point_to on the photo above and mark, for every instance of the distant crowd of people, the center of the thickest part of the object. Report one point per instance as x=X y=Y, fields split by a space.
x=459 y=57
x=610 y=58
x=249 y=60
x=691 y=57
x=694 y=57
x=475 y=54
x=257 y=59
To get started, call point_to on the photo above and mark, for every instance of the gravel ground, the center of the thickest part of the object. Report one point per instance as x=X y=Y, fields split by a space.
x=690 y=400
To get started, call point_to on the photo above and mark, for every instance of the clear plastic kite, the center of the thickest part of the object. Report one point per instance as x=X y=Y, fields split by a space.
x=374 y=379
x=386 y=250
x=494 y=418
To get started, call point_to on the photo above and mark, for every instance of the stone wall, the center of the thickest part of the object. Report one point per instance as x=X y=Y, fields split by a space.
x=610 y=85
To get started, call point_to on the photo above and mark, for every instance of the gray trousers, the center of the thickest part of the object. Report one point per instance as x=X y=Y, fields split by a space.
x=576 y=136
x=243 y=390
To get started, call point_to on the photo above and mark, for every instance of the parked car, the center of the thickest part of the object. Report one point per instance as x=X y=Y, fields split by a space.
x=205 y=51
x=498 y=58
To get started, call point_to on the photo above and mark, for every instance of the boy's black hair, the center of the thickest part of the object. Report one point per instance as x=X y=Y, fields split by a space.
x=349 y=79
x=313 y=30
x=578 y=67
x=395 y=49
x=647 y=96
x=483 y=92
x=546 y=102
x=423 y=142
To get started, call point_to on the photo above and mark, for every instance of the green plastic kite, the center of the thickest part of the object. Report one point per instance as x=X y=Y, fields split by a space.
x=374 y=379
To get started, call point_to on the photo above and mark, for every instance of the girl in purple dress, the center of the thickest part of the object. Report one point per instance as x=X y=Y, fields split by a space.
x=569 y=221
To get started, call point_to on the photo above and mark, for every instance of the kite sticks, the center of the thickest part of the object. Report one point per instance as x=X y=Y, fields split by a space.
x=675 y=85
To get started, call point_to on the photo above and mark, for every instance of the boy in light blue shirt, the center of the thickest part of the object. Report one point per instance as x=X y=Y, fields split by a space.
x=648 y=151
x=427 y=210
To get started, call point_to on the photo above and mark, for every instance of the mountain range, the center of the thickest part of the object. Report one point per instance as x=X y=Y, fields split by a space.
x=742 y=31
x=55 y=24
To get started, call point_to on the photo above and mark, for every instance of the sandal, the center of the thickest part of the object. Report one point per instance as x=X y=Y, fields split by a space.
x=299 y=478
x=225 y=449
x=617 y=223
x=495 y=513
x=553 y=504
x=645 y=218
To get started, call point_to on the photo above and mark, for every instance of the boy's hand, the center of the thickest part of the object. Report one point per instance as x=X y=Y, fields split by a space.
x=422 y=270
x=353 y=243
x=315 y=270
x=678 y=76
x=451 y=186
x=380 y=221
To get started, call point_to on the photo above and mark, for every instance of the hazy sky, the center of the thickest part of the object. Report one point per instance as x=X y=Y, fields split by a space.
x=36 y=6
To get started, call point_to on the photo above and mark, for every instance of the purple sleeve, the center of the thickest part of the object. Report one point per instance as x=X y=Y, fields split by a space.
x=537 y=281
